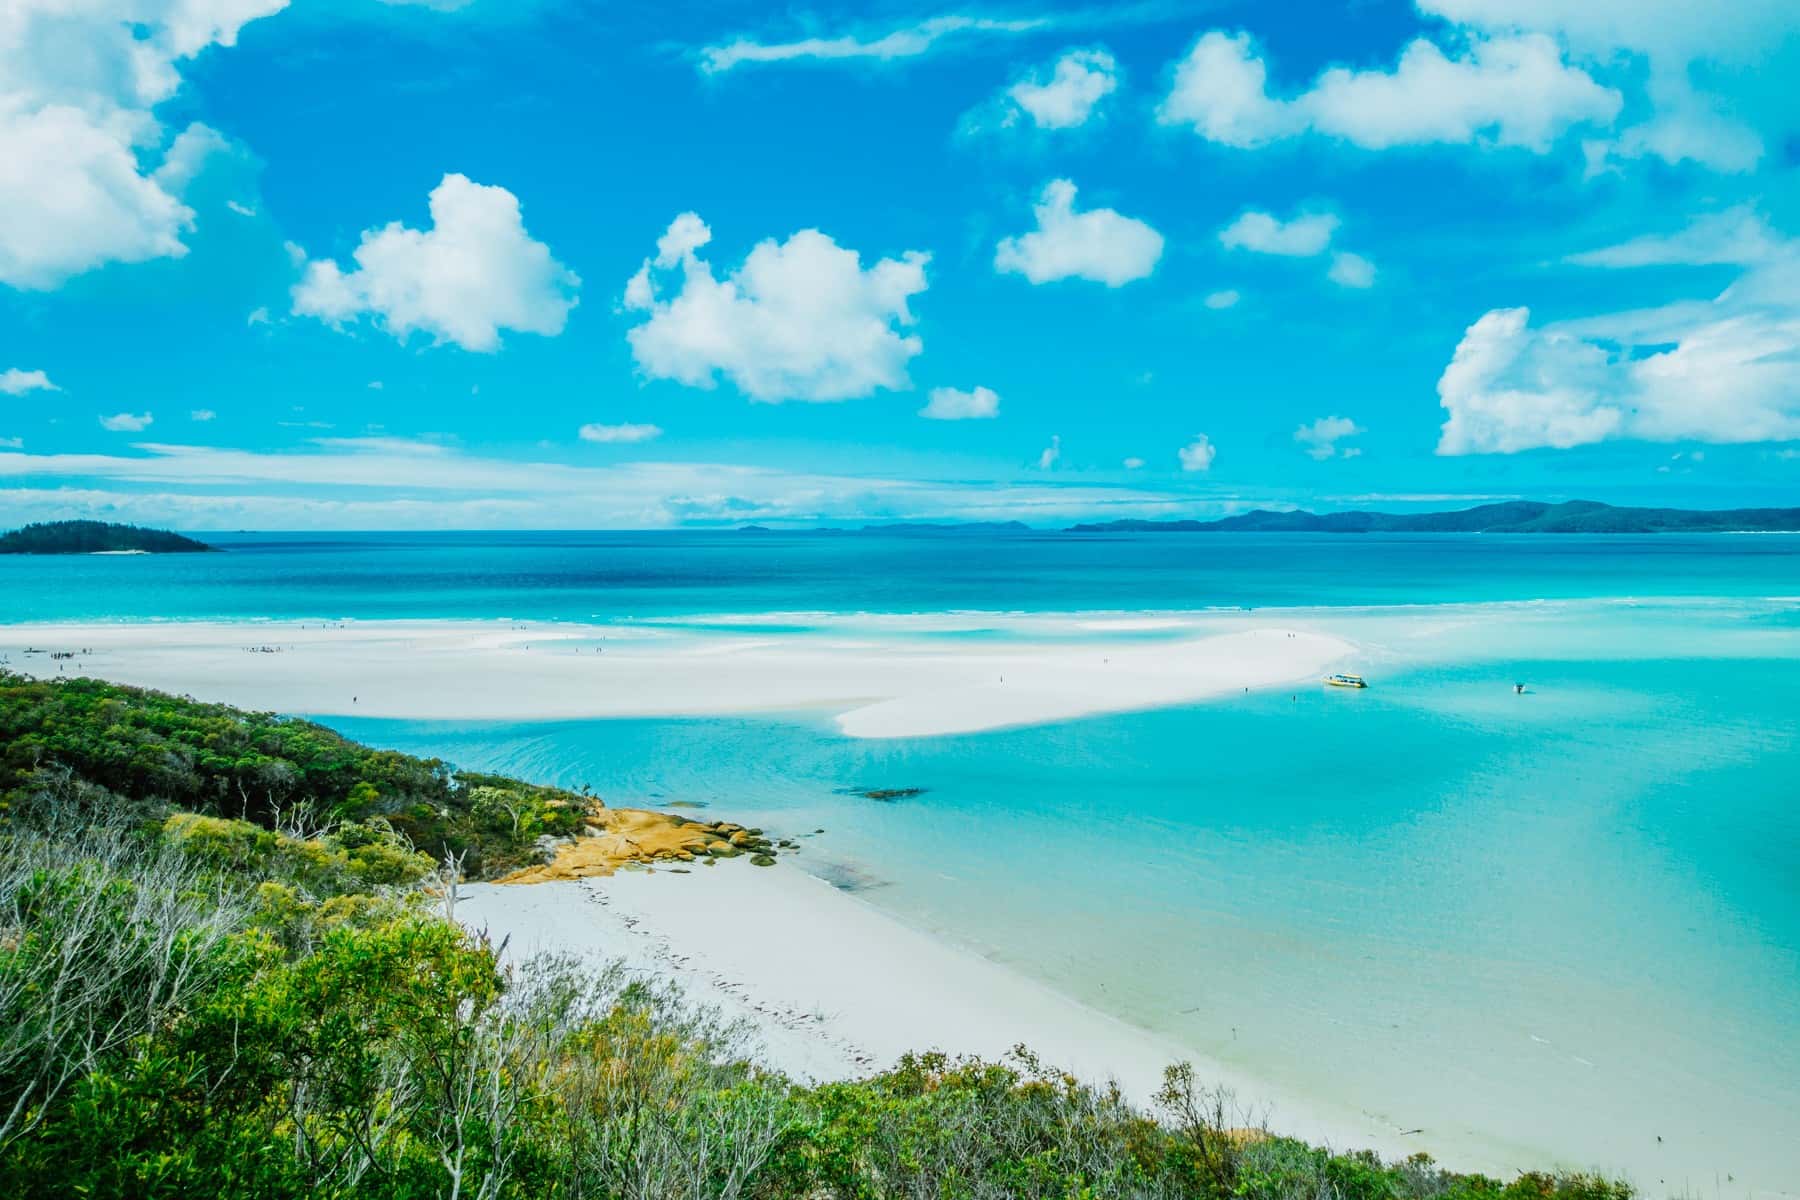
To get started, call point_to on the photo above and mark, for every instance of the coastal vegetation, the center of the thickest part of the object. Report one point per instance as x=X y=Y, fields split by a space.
x=227 y=970
x=96 y=537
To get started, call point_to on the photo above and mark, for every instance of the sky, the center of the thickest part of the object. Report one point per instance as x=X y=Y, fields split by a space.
x=355 y=264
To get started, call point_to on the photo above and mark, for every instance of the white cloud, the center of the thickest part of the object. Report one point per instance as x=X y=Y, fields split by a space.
x=1735 y=237
x=474 y=273
x=1320 y=439
x=202 y=414
x=91 y=176
x=1228 y=298
x=1738 y=31
x=1198 y=454
x=798 y=320
x=917 y=38
x=1304 y=236
x=907 y=41
x=258 y=316
x=387 y=483
x=1514 y=91
x=1351 y=270
x=15 y=382
x=1689 y=126
x=127 y=422
x=1099 y=244
x=382 y=445
x=1507 y=91
x=11 y=443
x=610 y=434
x=1133 y=464
x=1731 y=374
x=949 y=404
x=1051 y=454
x=1724 y=370
x=1221 y=89
x=1068 y=95
x=1509 y=388
x=1677 y=41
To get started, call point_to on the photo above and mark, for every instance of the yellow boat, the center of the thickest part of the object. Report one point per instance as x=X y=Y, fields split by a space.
x=1354 y=681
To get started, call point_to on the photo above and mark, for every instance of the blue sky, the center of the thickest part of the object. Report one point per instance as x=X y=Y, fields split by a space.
x=548 y=264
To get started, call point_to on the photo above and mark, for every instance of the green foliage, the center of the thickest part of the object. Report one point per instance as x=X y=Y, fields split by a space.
x=91 y=537
x=273 y=771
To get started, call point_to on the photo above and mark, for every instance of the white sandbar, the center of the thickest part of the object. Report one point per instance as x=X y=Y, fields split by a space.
x=885 y=687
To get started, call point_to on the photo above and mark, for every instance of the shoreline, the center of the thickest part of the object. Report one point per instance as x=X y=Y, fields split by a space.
x=843 y=988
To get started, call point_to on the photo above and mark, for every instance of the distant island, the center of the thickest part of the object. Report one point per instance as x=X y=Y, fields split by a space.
x=1516 y=516
x=96 y=537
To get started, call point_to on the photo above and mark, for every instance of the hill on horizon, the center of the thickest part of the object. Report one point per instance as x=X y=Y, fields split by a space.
x=96 y=537
x=1512 y=516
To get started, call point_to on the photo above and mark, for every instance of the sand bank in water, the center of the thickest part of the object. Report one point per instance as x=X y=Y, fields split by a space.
x=900 y=686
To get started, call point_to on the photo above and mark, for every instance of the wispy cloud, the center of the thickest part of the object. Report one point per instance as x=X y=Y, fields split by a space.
x=388 y=483
x=920 y=37
x=607 y=434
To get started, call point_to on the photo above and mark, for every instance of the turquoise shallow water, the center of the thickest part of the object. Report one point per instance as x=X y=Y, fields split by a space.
x=1552 y=925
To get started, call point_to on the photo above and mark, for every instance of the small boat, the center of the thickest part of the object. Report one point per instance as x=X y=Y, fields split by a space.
x=1351 y=681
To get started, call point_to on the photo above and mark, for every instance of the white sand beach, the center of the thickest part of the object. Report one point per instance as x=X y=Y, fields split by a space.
x=903 y=686
x=836 y=988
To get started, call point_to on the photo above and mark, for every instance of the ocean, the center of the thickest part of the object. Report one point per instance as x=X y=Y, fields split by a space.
x=1563 y=924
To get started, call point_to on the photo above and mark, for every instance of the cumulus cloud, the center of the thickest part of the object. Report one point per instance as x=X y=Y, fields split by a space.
x=1133 y=464
x=1098 y=244
x=1301 y=237
x=609 y=434
x=1306 y=235
x=1065 y=96
x=202 y=414
x=1198 y=454
x=950 y=404
x=798 y=320
x=91 y=175
x=1226 y=298
x=1051 y=454
x=127 y=422
x=1506 y=91
x=1672 y=43
x=1320 y=438
x=1351 y=270
x=1724 y=370
x=474 y=273
x=16 y=382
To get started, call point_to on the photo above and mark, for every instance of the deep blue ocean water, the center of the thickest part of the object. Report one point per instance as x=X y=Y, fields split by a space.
x=1559 y=924
x=581 y=576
